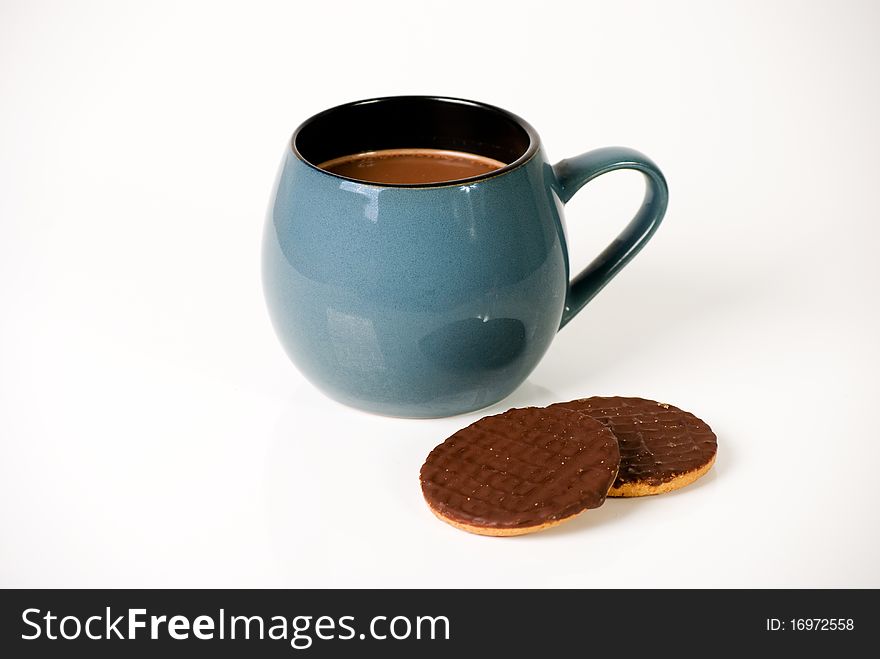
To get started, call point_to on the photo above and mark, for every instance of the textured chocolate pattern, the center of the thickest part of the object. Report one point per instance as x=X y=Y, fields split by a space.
x=523 y=468
x=658 y=442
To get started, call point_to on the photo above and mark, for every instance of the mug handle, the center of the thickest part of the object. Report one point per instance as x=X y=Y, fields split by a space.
x=571 y=175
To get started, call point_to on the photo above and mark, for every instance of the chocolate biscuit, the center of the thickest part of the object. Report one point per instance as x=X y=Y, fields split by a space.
x=519 y=472
x=662 y=448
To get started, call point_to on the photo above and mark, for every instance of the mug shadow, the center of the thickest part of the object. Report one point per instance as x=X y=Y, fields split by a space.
x=528 y=394
x=639 y=319
x=603 y=346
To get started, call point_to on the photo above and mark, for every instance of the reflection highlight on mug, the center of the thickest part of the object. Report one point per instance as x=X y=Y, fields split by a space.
x=355 y=343
x=371 y=207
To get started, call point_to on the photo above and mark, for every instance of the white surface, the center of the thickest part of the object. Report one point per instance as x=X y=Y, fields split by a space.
x=152 y=432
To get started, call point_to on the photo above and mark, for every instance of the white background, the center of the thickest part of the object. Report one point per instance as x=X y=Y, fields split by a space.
x=152 y=431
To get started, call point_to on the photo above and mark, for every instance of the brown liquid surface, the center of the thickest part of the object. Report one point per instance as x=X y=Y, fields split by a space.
x=408 y=166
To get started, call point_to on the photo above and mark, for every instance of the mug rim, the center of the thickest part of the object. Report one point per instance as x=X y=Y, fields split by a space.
x=527 y=155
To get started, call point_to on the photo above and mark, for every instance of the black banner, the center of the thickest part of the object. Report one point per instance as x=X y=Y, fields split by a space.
x=406 y=623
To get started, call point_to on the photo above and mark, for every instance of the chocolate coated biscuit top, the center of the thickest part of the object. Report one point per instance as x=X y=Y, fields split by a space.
x=658 y=442
x=523 y=468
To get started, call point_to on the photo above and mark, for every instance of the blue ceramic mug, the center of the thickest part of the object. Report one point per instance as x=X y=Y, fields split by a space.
x=430 y=300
